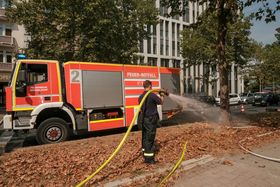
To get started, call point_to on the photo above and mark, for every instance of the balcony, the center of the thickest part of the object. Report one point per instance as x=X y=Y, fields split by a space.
x=6 y=66
x=7 y=41
x=3 y=14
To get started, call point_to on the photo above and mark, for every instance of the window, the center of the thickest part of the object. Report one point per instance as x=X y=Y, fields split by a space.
x=214 y=70
x=161 y=37
x=178 y=49
x=1 y=56
x=164 y=62
x=9 y=58
x=186 y=17
x=186 y=12
x=161 y=46
x=161 y=10
x=176 y=63
x=173 y=48
x=3 y=3
x=155 y=45
x=154 y=30
x=152 y=61
x=193 y=16
x=166 y=38
x=1 y=30
x=149 y=43
x=141 y=60
x=178 y=32
x=173 y=31
x=141 y=46
x=197 y=10
x=8 y=32
x=161 y=29
x=154 y=39
x=37 y=73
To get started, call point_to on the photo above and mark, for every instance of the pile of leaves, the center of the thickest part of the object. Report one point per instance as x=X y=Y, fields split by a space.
x=267 y=119
x=68 y=163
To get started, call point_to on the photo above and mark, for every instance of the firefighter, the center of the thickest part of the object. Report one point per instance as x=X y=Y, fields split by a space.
x=150 y=121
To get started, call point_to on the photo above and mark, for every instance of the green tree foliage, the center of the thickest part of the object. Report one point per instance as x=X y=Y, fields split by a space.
x=270 y=66
x=277 y=36
x=271 y=63
x=103 y=30
x=267 y=71
x=199 y=42
x=226 y=11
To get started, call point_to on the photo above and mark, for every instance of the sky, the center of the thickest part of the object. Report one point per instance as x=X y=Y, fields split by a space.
x=261 y=31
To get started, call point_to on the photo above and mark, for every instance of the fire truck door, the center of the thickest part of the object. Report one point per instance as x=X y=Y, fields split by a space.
x=36 y=83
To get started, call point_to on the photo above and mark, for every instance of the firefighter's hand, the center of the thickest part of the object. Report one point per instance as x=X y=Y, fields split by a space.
x=161 y=94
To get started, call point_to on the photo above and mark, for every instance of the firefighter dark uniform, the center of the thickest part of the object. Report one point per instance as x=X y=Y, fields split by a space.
x=149 y=126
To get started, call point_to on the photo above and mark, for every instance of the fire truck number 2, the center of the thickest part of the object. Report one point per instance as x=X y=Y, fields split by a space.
x=75 y=76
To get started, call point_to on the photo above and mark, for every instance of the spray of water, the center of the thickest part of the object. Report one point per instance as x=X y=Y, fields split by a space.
x=199 y=110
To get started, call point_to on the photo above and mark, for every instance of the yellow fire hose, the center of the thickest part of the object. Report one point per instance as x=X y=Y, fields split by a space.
x=175 y=167
x=121 y=143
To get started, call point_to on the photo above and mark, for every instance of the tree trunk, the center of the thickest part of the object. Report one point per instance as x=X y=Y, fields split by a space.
x=223 y=66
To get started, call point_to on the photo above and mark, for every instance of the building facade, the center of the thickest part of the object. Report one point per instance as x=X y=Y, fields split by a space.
x=162 y=48
x=12 y=39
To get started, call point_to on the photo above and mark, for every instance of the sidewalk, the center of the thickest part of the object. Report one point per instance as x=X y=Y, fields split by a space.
x=239 y=170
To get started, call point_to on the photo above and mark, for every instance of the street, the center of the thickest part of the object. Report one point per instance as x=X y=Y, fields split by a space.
x=10 y=141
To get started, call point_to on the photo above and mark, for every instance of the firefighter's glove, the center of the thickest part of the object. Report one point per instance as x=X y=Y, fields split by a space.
x=163 y=93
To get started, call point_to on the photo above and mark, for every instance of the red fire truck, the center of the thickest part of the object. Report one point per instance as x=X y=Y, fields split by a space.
x=74 y=97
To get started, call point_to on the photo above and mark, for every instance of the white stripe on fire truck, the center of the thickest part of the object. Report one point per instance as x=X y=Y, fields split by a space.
x=131 y=96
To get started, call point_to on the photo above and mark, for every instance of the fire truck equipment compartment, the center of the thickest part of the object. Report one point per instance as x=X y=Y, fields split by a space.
x=102 y=89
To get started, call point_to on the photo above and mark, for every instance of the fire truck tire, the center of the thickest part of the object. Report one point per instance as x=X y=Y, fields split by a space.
x=52 y=130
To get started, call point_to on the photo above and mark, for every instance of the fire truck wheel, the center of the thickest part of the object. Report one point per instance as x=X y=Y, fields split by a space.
x=52 y=130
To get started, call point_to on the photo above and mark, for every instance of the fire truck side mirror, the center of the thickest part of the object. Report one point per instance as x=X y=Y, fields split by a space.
x=21 y=76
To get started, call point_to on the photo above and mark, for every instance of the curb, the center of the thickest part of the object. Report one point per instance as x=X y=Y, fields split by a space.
x=5 y=137
x=186 y=165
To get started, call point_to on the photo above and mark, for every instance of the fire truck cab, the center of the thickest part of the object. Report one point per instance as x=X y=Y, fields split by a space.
x=60 y=99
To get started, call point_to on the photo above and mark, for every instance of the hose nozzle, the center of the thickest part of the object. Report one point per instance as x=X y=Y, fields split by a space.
x=163 y=92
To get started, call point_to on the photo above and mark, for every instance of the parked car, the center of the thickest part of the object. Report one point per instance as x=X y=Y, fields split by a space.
x=207 y=99
x=265 y=99
x=234 y=99
x=272 y=99
x=246 y=98
x=259 y=99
